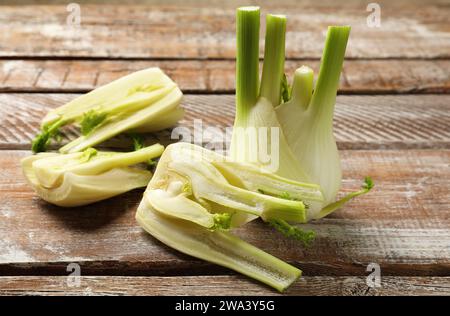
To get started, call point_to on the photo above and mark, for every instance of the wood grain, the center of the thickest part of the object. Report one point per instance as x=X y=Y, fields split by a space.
x=394 y=115
x=219 y=285
x=403 y=225
x=206 y=29
x=218 y=76
x=361 y=122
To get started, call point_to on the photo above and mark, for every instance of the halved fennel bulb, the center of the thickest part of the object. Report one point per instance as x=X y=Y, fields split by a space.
x=86 y=177
x=144 y=101
x=196 y=195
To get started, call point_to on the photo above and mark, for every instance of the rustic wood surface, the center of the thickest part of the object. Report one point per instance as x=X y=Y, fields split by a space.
x=219 y=285
x=361 y=122
x=217 y=76
x=402 y=225
x=392 y=122
x=206 y=30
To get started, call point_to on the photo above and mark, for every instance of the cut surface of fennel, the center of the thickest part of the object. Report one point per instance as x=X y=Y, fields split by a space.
x=144 y=101
x=191 y=185
x=190 y=203
x=73 y=180
x=204 y=176
x=219 y=247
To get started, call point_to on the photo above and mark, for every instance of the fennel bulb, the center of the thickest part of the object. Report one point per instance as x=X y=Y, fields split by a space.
x=86 y=177
x=196 y=195
x=304 y=145
x=144 y=101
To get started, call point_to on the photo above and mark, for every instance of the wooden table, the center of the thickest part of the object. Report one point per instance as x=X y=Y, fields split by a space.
x=392 y=122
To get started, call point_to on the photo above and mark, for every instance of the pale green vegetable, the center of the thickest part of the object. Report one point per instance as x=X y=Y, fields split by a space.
x=144 y=101
x=87 y=177
x=205 y=187
x=165 y=121
x=190 y=202
x=254 y=109
x=192 y=185
x=218 y=247
x=258 y=180
x=168 y=203
x=220 y=181
x=208 y=177
x=305 y=147
x=308 y=121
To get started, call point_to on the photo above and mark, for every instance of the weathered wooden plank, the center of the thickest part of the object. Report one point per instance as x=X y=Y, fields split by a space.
x=206 y=29
x=218 y=285
x=218 y=76
x=361 y=122
x=403 y=225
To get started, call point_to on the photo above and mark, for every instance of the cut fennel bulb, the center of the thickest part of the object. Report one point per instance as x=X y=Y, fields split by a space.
x=86 y=177
x=196 y=194
x=219 y=247
x=144 y=101
x=202 y=176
